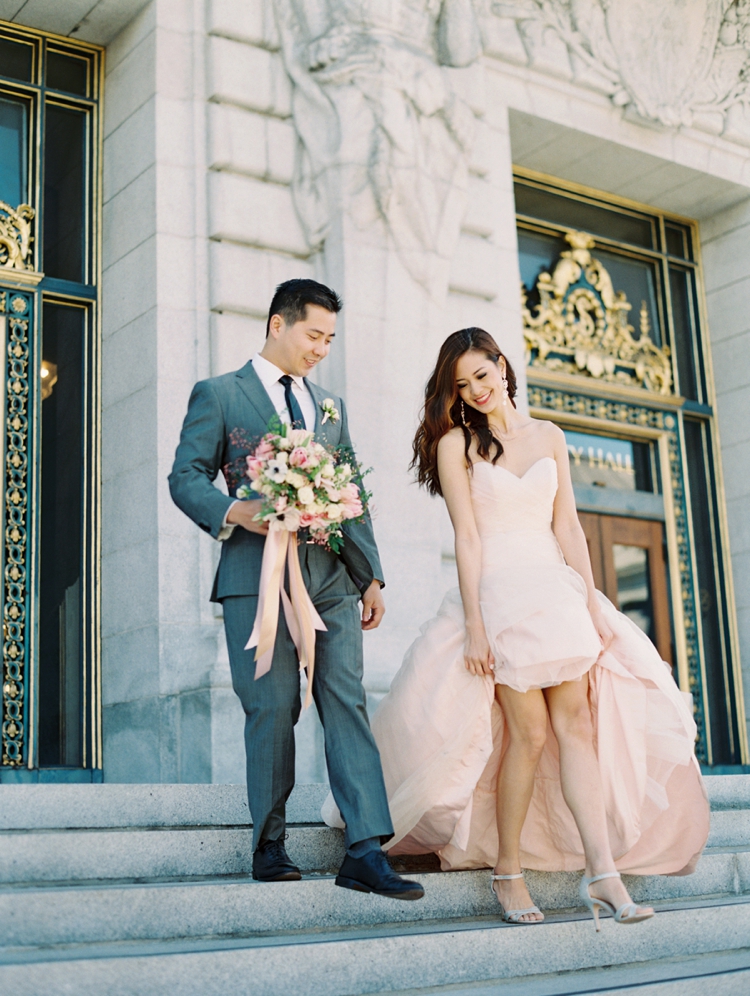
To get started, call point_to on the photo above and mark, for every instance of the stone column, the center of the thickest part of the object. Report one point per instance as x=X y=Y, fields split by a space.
x=159 y=636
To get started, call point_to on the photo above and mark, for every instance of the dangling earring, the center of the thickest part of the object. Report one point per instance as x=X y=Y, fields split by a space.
x=505 y=391
x=463 y=413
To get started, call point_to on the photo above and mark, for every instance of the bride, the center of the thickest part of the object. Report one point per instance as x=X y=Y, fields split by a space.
x=531 y=724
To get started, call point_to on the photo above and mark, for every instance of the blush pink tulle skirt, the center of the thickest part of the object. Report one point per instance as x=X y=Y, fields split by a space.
x=441 y=733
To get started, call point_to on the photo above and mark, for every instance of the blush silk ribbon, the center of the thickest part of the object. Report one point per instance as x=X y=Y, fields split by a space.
x=301 y=615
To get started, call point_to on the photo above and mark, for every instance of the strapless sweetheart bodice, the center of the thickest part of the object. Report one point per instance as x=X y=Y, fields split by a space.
x=505 y=502
x=514 y=514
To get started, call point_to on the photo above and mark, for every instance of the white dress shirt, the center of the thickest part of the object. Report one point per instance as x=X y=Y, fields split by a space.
x=269 y=375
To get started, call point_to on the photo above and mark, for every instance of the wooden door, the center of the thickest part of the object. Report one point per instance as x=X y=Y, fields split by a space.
x=627 y=559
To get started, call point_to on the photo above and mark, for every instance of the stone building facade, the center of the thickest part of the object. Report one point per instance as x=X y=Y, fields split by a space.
x=424 y=157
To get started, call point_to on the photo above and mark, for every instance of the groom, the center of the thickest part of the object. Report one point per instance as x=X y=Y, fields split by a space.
x=299 y=333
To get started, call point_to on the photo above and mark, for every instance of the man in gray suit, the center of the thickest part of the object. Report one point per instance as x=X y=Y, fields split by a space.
x=299 y=333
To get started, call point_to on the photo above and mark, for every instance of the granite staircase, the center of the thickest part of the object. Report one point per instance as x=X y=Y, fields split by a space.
x=134 y=890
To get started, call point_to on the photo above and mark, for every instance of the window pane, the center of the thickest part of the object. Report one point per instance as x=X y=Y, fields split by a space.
x=676 y=241
x=584 y=217
x=60 y=629
x=680 y=284
x=634 y=587
x=12 y=152
x=719 y=686
x=66 y=72
x=537 y=254
x=15 y=60
x=637 y=279
x=64 y=189
x=605 y=462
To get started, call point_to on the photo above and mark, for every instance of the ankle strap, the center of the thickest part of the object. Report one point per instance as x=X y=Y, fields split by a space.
x=598 y=878
x=503 y=878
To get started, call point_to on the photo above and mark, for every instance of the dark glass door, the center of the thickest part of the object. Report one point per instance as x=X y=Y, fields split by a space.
x=61 y=671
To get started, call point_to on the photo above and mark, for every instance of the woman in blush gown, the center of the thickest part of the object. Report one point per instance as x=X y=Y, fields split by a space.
x=531 y=724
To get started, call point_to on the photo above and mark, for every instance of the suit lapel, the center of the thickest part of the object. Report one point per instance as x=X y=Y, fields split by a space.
x=256 y=394
x=321 y=429
x=315 y=394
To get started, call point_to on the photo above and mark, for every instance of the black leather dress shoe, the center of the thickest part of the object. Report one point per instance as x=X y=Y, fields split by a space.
x=271 y=863
x=372 y=873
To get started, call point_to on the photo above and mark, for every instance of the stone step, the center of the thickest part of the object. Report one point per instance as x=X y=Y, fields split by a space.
x=49 y=806
x=72 y=914
x=168 y=852
x=53 y=807
x=723 y=973
x=96 y=855
x=392 y=958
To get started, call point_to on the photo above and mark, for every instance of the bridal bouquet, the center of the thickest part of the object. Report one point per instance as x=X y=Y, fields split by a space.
x=303 y=485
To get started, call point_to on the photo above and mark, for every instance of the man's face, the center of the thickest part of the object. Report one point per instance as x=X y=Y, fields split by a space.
x=298 y=348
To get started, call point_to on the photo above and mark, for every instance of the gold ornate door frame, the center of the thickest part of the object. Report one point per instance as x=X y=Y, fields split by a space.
x=593 y=368
x=50 y=266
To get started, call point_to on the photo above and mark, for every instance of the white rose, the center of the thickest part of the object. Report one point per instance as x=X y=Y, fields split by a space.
x=306 y=495
x=327 y=470
x=295 y=479
x=335 y=512
x=284 y=443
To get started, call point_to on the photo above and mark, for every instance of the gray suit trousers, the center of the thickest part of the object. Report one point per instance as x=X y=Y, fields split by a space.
x=272 y=706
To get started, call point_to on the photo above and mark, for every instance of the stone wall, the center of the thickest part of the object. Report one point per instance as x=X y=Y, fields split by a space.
x=229 y=167
x=725 y=241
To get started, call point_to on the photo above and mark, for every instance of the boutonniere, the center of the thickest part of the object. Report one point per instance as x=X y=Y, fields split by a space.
x=330 y=411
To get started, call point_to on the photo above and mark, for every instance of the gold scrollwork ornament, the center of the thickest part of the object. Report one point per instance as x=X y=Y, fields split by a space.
x=15 y=236
x=580 y=325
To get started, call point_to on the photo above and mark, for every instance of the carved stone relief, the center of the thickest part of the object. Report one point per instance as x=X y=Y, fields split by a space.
x=382 y=132
x=673 y=62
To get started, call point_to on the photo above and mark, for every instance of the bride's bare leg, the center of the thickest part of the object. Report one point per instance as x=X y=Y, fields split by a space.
x=570 y=716
x=526 y=721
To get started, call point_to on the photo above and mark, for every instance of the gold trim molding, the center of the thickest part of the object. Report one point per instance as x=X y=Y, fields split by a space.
x=580 y=326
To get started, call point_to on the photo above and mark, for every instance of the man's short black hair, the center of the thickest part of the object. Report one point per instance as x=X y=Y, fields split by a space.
x=293 y=296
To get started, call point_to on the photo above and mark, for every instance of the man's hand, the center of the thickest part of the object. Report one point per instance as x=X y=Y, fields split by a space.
x=243 y=513
x=373 y=607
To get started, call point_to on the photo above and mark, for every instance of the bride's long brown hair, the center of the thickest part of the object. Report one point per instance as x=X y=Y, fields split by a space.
x=442 y=407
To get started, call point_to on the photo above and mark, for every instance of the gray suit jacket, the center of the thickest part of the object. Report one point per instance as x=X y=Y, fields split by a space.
x=218 y=406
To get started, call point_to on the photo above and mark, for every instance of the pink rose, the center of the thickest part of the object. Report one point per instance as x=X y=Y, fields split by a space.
x=333 y=493
x=351 y=501
x=350 y=493
x=254 y=467
x=353 y=510
x=264 y=450
x=299 y=458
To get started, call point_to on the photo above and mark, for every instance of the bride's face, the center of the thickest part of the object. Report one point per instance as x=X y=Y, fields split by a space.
x=479 y=381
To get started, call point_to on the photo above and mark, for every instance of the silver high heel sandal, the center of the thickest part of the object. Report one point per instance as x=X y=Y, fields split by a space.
x=514 y=916
x=627 y=913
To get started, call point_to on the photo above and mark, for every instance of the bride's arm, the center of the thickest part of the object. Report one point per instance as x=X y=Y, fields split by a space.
x=570 y=535
x=454 y=482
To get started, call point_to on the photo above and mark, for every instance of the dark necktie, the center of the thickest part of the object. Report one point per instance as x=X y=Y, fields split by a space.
x=292 y=405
